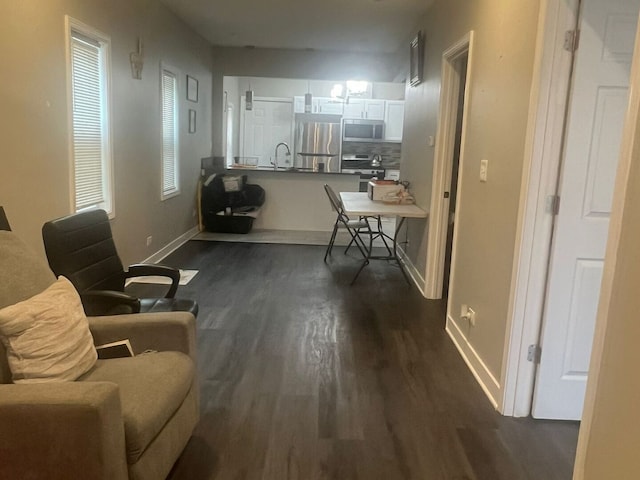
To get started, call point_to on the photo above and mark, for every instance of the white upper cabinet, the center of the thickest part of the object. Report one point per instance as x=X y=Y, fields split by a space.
x=319 y=105
x=354 y=108
x=374 y=109
x=298 y=104
x=394 y=120
x=364 y=108
x=328 y=105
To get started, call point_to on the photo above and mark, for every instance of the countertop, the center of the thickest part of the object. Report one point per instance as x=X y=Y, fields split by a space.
x=248 y=170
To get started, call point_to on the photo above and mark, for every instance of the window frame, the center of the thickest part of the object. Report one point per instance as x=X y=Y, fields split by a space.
x=177 y=75
x=73 y=25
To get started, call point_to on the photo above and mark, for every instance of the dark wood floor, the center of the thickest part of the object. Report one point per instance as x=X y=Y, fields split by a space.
x=304 y=377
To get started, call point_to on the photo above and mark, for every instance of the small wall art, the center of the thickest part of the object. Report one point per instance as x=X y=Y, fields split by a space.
x=192 y=89
x=416 y=59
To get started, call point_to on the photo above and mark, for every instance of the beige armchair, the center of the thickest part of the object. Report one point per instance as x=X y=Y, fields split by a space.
x=126 y=418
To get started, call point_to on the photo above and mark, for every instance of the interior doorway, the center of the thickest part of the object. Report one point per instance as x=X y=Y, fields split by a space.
x=461 y=64
x=450 y=140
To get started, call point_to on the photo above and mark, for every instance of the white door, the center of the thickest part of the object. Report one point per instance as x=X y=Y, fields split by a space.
x=269 y=123
x=596 y=112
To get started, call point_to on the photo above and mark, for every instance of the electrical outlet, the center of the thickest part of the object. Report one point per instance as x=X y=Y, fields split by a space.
x=149 y=240
x=471 y=315
x=468 y=313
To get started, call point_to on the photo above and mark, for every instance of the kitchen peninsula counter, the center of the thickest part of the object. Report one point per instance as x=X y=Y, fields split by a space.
x=249 y=170
x=295 y=199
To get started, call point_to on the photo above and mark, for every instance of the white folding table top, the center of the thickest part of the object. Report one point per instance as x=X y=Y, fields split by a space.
x=359 y=204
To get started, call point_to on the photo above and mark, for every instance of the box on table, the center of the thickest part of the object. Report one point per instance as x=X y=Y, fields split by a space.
x=378 y=189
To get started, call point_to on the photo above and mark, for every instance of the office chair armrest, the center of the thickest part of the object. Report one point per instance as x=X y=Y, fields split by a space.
x=109 y=302
x=148 y=269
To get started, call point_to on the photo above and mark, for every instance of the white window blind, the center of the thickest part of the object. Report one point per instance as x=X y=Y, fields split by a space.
x=170 y=180
x=90 y=122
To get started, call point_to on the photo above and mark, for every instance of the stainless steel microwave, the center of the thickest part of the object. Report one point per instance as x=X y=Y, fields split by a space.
x=362 y=130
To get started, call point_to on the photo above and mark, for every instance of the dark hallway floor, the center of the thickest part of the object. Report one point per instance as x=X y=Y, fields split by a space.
x=304 y=377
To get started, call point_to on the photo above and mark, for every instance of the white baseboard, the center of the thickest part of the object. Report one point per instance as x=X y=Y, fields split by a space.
x=172 y=246
x=483 y=375
x=411 y=270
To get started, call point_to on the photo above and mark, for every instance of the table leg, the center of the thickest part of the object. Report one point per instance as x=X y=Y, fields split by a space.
x=395 y=250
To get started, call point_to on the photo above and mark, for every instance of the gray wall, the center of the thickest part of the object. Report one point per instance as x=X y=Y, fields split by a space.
x=34 y=155
x=502 y=67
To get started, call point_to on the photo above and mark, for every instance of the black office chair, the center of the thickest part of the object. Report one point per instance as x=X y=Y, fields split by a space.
x=354 y=227
x=81 y=248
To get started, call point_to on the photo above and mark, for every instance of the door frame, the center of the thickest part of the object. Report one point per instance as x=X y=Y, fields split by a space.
x=443 y=161
x=544 y=149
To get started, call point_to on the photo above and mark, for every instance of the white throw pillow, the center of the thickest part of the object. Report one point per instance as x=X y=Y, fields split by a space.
x=47 y=337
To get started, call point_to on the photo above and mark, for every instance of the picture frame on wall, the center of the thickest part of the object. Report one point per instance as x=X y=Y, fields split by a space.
x=192 y=89
x=416 y=59
x=192 y=121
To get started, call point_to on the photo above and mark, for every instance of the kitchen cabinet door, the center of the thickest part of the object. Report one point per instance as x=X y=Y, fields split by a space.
x=393 y=121
x=298 y=104
x=374 y=109
x=354 y=108
x=330 y=106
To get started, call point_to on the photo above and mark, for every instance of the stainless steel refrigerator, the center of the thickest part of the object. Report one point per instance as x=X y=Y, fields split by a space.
x=317 y=142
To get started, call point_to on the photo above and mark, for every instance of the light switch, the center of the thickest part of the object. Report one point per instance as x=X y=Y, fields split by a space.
x=431 y=141
x=484 y=167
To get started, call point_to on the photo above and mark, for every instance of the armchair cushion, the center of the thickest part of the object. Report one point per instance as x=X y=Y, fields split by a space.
x=47 y=337
x=152 y=388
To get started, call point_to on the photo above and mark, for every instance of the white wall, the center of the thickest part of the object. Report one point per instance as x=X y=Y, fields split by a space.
x=34 y=159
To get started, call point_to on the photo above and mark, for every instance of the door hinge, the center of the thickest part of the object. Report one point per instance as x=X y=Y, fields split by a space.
x=552 y=205
x=571 y=40
x=533 y=354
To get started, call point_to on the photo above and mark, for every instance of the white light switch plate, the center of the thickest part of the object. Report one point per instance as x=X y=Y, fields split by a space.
x=484 y=167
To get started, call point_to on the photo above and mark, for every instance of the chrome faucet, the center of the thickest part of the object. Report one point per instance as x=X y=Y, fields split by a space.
x=275 y=158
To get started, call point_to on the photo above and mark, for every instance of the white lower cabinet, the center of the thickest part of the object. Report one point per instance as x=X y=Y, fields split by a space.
x=394 y=121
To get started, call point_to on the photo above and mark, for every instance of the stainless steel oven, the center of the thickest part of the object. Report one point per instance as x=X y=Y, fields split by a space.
x=361 y=165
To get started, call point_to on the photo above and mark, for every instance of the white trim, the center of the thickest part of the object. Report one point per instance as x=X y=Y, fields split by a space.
x=172 y=246
x=70 y=24
x=478 y=368
x=543 y=153
x=629 y=150
x=443 y=160
x=411 y=270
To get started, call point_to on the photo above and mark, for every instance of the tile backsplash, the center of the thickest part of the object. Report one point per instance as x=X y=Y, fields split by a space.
x=389 y=152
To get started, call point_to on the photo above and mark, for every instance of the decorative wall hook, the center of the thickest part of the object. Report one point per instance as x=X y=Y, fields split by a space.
x=137 y=61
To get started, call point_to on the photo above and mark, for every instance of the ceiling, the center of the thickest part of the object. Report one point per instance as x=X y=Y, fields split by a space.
x=376 y=26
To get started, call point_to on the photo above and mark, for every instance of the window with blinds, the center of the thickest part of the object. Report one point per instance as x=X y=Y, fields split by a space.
x=170 y=178
x=90 y=115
